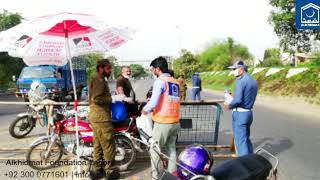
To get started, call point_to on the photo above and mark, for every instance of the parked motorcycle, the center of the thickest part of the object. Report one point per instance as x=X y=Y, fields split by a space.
x=25 y=122
x=194 y=160
x=47 y=151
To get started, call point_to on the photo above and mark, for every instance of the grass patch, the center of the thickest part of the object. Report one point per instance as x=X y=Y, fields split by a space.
x=305 y=84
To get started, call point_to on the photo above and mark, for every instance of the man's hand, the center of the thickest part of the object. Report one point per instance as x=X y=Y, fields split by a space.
x=128 y=100
x=118 y=97
x=144 y=113
x=226 y=106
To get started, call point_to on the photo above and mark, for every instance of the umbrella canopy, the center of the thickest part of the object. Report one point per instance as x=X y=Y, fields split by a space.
x=55 y=38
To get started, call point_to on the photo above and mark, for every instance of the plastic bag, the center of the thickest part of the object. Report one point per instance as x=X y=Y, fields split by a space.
x=228 y=97
x=145 y=123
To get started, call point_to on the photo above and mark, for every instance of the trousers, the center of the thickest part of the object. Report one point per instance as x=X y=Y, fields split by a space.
x=241 y=122
x=104 y=146
x=196 y=94
x=166 y=136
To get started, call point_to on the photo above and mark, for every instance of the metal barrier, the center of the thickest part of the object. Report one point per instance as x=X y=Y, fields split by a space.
x=199 y=122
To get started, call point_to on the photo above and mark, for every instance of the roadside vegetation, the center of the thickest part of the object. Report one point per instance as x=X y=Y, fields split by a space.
x=305 y=85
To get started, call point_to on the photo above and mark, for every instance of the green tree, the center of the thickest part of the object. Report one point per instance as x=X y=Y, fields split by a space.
x=271 y=58
x=186 y=64
x=283 y=21
x=220 y=55
x=9 y=66
x=92 y=64
x=116 y=69
x=8 y=20
x=137 y=71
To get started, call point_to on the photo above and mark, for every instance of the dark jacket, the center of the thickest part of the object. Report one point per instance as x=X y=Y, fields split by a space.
x=126 y=85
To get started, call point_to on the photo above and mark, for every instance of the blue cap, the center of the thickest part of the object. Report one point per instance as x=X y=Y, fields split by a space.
x=238 y=64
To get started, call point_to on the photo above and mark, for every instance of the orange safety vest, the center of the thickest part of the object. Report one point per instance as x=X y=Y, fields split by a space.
x=167 y=110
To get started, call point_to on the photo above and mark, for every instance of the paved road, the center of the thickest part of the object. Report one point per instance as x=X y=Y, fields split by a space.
x=292 y=138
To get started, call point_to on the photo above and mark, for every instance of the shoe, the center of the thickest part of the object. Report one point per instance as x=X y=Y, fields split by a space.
x=114 y=175
x=95 y=175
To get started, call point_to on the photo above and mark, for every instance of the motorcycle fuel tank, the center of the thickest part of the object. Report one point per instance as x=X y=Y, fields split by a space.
x=85 y=131
x=70 y=126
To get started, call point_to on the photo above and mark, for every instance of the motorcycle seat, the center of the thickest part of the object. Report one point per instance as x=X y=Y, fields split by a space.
x=248 y=167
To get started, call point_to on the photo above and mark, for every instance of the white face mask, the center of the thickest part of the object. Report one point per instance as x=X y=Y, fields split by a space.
x=127 y=77
x=236 y=72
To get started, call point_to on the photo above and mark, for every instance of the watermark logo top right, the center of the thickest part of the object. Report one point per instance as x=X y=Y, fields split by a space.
x=308 y=14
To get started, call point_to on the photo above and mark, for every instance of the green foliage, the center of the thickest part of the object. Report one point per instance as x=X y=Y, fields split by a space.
x=137 y=71
x=116 y=71
x=220 y=55
x=92 y=64
x=312 y=62
x=9 y=66
x=284 y=25
x=220 y=81
x=8 y=20
x=186 y=64
x=305 y=84
x=271 y=58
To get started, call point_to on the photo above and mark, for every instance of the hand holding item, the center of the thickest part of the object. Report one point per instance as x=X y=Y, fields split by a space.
x=226 y=106
x=128 y=100
x=118 y=97
x=228 y=97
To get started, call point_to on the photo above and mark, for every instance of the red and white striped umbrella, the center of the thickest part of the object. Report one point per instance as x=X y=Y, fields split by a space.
x=53 y=39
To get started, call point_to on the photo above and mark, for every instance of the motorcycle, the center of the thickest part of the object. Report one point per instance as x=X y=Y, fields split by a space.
x=62 y=140
x=25 y=122
x=261 y=165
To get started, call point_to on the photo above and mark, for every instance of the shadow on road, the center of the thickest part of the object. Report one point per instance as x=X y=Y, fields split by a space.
x=274 y=147
x=138 y=168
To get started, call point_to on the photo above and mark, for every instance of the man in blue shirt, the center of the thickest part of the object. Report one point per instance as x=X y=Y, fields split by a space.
x=241 y=105
x=196 y=87
x=165 y=107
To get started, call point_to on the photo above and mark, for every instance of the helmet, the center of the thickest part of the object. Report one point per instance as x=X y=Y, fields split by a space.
x=196 y=159
x=34 y=85
x=37 y=91
x=119 y=112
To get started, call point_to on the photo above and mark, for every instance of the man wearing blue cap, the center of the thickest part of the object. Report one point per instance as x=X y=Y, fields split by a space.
x=241 y=105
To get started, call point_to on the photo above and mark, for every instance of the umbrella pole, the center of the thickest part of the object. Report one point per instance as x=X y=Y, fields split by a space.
x=74 y=93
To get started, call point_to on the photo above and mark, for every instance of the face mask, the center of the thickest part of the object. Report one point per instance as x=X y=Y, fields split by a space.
x=236 y=72
x=127 y=77
x=155 y=74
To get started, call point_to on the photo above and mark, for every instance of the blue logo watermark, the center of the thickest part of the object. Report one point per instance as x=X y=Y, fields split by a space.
x=308 y=14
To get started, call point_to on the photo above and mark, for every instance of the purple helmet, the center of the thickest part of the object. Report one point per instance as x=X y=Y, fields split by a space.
x=196 y=159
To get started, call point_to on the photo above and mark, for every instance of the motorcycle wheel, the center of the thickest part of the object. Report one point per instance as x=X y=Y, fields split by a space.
x=36 y=159
x=21 y=126
x=125 y=153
